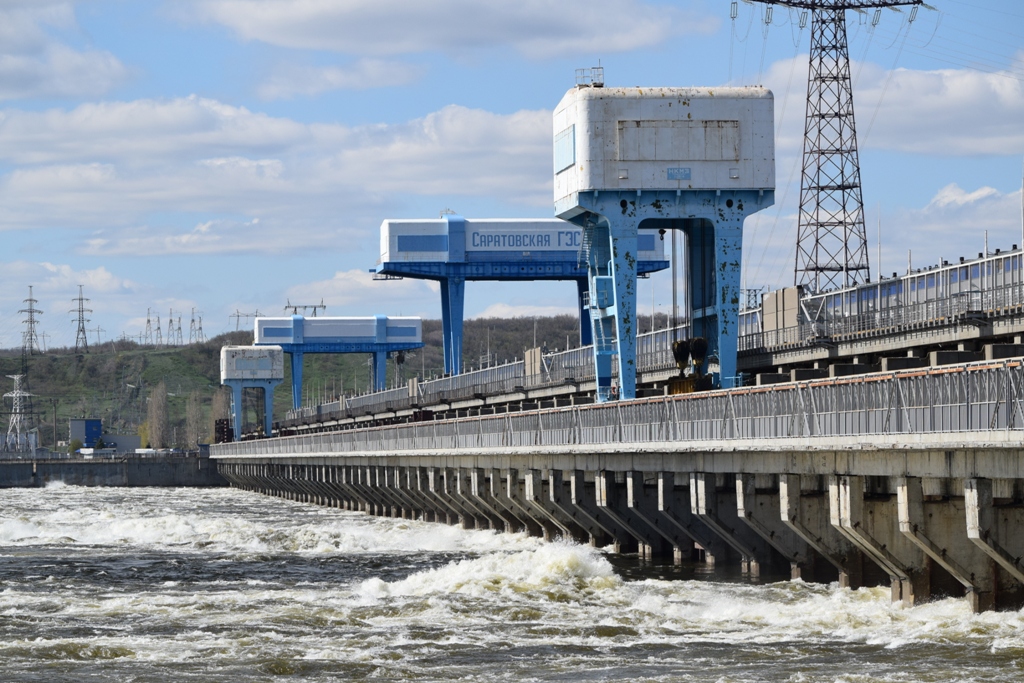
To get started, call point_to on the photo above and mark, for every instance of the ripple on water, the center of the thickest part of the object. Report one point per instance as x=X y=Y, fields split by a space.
x=220 y=586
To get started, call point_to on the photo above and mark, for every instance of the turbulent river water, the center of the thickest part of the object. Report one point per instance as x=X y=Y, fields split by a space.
x=102 y=584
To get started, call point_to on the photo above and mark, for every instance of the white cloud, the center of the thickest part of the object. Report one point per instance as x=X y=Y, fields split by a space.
x=208 y=237
x=459 y=151
x=953 y=196
x=954 y=224
x=536 y=28
x=288 y=81
x=61 y=278
x=35 y=64
x=948 y=112
x=245 y=181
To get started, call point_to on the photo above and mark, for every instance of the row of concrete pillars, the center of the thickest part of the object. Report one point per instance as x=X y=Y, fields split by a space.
x=922 y=537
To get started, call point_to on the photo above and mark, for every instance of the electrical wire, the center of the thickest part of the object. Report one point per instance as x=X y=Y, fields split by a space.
x=764 y=44
x=885 y=88
x=778 y=131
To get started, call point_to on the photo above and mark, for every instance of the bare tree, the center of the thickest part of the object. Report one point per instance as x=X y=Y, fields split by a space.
x=193 y=420
x=159 y=429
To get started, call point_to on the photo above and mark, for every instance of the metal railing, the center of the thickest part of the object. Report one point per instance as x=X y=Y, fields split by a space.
x=654 y=352
x=894 y=317
x=979 y=397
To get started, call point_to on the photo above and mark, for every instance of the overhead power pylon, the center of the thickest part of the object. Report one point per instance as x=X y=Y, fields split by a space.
x=81 y=341
x=30 y=339
x=832 y=244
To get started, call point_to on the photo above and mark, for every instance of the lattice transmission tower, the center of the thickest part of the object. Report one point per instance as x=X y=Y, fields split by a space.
x=21 y=411
x=30 y=339
x=81 y=340
x=832 y=243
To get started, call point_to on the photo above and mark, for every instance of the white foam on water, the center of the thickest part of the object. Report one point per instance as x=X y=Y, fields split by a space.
x=554 y=569
x=561 y=600
x=132 y=519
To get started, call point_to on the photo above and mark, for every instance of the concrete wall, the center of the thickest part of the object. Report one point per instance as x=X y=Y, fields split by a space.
x=130 y=471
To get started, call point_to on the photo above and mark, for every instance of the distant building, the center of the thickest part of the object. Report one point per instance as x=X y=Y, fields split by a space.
x=90 y=431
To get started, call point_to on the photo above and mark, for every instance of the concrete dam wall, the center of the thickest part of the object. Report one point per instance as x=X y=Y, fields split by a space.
x=176 y=470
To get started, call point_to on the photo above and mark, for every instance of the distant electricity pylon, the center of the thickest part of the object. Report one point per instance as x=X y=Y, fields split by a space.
x=195 y=329
x=18 y=427
x=81 y=341
x=148 y=338
x=305 y=307
x=30 y=340
x=238 y=316
x=170 y=327
x=832 y=243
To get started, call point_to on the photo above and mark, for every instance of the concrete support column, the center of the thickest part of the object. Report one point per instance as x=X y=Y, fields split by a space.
x=674 y=505
x=873 y=526
x=540 y=499
x=355 y=497
x=360 y=480
x=808 y=516
x=560 y=493
x=500 y=495
x=486 y=517
x=642 y=500
x=760 y=510
x=442 y=484
x=996 y=531
x=613 y=498
x=425 y=478
x=939 y=529
x=392 y=480
x=516 y=494
x=480 y=490
x=409 y=482
x=718 y=510
x=584 y=498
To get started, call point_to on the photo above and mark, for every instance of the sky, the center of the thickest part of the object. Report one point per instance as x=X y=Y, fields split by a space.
x=231 y=156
